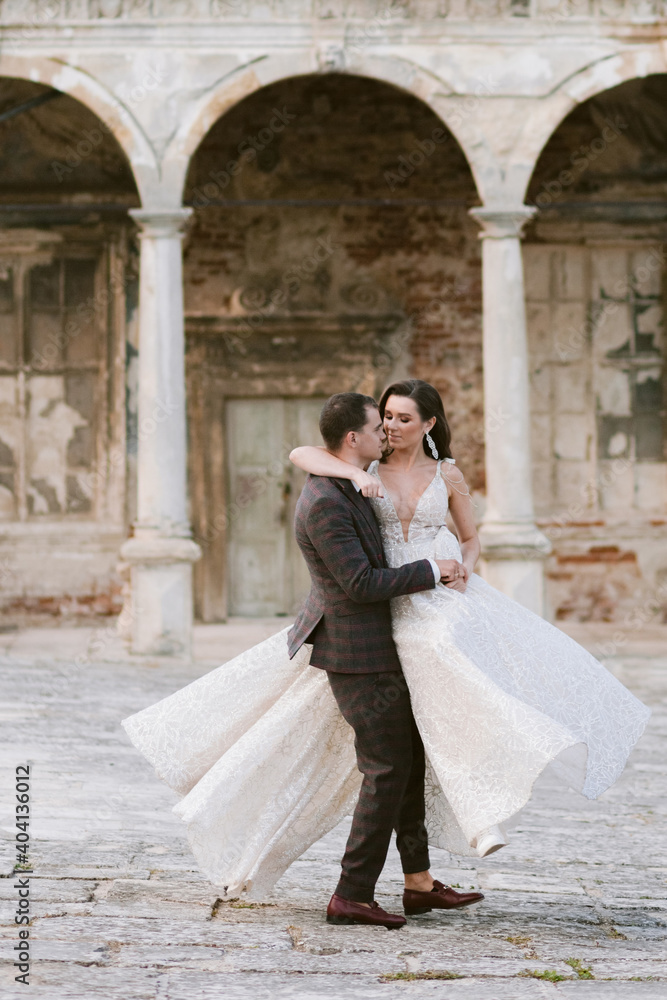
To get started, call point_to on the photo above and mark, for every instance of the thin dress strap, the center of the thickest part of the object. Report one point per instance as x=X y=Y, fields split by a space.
x=451 y=465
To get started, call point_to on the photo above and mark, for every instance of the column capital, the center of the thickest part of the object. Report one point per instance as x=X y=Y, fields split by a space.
x=161 y=223
x=502 y=222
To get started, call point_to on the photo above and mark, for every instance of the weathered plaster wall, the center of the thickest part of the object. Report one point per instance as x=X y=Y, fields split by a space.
x=345 y=257
x=595 y=288
x=503 y=76
x=63 y=252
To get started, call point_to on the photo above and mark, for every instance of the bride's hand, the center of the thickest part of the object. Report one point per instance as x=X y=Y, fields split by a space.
x=459 y=584
x=369 y=485
x=453 y=574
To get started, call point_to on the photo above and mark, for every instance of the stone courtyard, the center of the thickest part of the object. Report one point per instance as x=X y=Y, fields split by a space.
x=576 y=906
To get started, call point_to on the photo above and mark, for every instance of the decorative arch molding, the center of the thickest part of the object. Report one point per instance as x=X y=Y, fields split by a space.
x=548 y=114
x=94 y=95
x=265 y=70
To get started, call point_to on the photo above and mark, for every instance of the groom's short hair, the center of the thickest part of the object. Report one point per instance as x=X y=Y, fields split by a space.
x=342 y=413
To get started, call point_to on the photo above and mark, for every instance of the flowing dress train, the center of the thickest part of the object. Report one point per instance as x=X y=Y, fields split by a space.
x=265 y=763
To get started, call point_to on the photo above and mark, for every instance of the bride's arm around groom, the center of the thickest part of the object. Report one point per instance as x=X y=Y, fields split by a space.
x=351 y=583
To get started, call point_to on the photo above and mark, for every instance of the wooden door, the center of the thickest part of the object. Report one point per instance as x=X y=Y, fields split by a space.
x=266 y=572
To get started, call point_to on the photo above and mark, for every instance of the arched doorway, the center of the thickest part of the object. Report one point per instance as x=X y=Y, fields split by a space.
x=595 y=288
x=331 y=250
x=66 y=276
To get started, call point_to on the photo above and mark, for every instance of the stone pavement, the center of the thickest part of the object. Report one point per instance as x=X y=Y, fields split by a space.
x=120 y=911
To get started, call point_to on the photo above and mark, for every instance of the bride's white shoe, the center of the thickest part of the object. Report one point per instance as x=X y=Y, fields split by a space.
x=490 y=840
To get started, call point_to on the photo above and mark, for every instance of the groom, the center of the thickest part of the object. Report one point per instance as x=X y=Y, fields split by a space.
x=347 y=619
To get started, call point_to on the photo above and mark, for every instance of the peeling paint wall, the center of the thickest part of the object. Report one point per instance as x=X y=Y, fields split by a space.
x=62 y=420
x=596 y=269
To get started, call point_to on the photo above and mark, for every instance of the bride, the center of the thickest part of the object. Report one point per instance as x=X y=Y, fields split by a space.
x=262 y=757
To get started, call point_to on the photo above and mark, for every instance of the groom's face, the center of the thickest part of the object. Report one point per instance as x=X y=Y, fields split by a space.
x=371 y=439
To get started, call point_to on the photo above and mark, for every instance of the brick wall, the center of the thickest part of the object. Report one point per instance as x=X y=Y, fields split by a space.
x=407 y=271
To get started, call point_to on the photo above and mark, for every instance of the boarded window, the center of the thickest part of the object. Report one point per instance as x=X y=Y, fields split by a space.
x=628 y=338
x=596 y=334
x=52 y=336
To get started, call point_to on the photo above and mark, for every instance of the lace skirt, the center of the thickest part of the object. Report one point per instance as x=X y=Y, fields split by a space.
x=265 y=764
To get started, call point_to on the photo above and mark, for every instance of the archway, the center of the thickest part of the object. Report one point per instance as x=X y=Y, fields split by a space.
x=331 y=250
x=66 y=276
x=595 y=267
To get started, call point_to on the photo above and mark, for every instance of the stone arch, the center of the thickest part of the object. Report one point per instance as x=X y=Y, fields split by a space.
x=401 y=73
x=95 y=96
x=384 y=294
x=547 y=115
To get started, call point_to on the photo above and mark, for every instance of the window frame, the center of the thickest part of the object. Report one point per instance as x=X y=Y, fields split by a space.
x=22 y=258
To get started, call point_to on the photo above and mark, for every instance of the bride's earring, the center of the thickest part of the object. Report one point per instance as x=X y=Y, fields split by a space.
x=431 y=443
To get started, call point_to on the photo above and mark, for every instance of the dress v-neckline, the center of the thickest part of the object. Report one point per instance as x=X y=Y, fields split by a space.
x=421 y=497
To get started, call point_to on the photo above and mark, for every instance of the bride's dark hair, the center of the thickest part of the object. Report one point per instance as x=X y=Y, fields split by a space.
x=429 y=405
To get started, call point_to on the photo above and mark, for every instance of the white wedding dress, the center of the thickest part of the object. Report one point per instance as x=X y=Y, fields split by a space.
x=266 y=764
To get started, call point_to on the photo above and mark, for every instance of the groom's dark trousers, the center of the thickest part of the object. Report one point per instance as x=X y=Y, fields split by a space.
x=347 y=619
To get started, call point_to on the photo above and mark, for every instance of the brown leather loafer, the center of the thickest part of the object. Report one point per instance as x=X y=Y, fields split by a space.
x=441 y=897
x=345 y=911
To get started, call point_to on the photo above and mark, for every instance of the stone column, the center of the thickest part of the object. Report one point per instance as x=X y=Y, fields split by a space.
x=513 y=548
x=162 y=551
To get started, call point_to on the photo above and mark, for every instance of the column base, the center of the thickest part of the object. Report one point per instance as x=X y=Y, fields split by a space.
x=513 y=562
x=159 y=618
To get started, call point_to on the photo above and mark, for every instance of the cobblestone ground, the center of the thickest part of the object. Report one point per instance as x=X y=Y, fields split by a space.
x=579 y=898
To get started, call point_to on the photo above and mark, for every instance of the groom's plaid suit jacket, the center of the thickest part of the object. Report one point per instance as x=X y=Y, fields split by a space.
x=346 y=616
